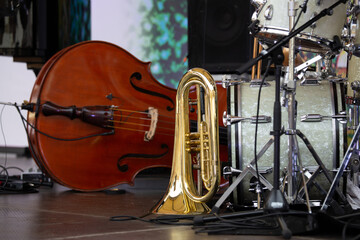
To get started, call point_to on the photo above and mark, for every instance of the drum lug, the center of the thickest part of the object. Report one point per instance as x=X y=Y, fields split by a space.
x=230 y=171
x=269 y=11
x=229 y=119
x=341 y=117
x=258 y=4
x=310 y=82
x=257 y=83
x=230 y=80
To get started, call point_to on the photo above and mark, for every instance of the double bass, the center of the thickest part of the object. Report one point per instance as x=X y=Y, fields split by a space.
x=98 y=117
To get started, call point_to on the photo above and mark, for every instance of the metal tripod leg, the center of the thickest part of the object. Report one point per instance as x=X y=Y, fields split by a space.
x=319 y=162
x=341 y=170
x=250 y=168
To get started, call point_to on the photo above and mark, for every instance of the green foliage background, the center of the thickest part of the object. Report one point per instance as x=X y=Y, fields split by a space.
x=164 y=32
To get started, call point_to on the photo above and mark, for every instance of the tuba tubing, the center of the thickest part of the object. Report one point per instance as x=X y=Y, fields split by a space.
x=211 y=178
x=182 y=196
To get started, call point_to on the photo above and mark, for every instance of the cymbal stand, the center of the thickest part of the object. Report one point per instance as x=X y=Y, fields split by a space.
x=294 y=132
x=290 y=92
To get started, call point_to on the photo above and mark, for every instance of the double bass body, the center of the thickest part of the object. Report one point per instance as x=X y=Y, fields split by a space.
x=88 y=157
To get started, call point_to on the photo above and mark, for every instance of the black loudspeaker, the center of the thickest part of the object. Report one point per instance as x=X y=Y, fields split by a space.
x=218 y=36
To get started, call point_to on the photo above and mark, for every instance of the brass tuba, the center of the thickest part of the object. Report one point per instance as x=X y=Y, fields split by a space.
x=182 y=196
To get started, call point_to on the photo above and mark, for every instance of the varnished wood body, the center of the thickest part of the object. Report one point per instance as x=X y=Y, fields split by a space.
x=98 y=73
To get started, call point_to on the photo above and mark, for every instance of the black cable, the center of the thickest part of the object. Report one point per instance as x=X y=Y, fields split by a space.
x=2 y=187
x=346 y=226
x=23 y=120
x=168 y=220
x=348 y=216
x=31 y=147
x=13 y=167
x=257 y=123
x=3 y=134
x=262 y=222
x=258 y=222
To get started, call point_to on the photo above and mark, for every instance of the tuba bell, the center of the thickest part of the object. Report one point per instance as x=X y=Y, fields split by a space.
x=183 y=196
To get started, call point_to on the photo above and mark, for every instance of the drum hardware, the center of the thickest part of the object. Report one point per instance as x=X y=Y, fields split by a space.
x=291 y=104
x=353 y=50
x=230 y=171
x=352 y=149
x=276 y=201
x=311 y=172
x=354 y=166
x=309 y=77
x=282 y=41
x=272 y=24
x=319 y=118
x=228 y=119
x=355 y=86
x=266 y=53
x=258 y=189
x=228 y=81
x=258 y=4
x=353 y=118
x=353 y=122
x=249 y=169
x=257 y=83
x=307 y=64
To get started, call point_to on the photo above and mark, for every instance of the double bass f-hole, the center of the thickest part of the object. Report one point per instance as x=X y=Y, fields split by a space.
x=137 y=76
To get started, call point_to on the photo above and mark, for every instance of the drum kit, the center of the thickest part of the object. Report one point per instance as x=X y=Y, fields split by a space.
x=322 y=108
x=322 y=111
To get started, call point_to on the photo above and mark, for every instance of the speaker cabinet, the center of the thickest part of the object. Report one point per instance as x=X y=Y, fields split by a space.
x=218 y=35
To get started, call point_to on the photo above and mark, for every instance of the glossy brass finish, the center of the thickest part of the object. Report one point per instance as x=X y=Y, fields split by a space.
x=182 y=196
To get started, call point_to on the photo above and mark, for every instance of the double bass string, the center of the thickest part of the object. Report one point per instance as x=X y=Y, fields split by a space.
x=141 y=112
x=222 y=135
x=139 y=130
x=161 y=119
x=125 y=121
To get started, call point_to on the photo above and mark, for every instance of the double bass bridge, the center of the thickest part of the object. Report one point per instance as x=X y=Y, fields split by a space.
x=153 y=114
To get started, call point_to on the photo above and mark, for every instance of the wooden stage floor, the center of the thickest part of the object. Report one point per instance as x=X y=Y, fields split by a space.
x=61 y=213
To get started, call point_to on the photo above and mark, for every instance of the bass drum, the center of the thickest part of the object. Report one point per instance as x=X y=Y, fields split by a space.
x=274 y=23
x=311 y=99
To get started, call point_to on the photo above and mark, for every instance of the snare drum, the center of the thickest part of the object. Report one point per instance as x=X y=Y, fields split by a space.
x=311 y=99
x=274 y=23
